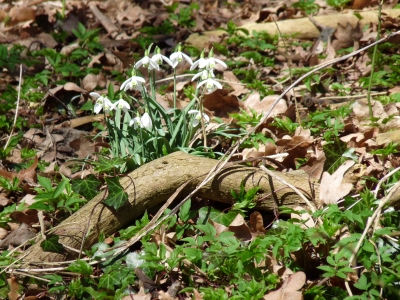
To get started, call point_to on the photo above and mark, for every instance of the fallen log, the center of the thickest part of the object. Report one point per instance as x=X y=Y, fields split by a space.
x=153 y=184
x=302 y=27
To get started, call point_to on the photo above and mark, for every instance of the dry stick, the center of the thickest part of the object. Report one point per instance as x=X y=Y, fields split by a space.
x=220 y=165
x=105 y=21
x=291 y=186
x=367 y=227
x=352 y=96
x=16 y=110
x=383 y=179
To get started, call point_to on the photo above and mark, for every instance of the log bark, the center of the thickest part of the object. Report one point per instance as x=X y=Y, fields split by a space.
x=302 y=27
x=153 y=184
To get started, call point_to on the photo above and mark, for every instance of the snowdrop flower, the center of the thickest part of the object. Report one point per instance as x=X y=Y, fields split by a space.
x=210 y=84
x=211 y=62
x=159 y=58
x=147 y=62
x=204 y=75
x=196 y=120
x=101 y=102
x=133 y=83
x=178 y=56
x=201 y=62
x=142 y=122
x=121 y=104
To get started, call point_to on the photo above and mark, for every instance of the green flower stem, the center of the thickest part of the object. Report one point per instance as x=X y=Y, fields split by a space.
x=153 y=84
x=201 y=110
x=174 y=88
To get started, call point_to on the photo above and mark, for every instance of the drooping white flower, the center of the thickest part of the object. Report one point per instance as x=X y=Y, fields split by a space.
x=102 y=102
x=133 y=83
x=210 y=84
x=142 y=122
x=159 y=58
x=147 y=62
x=201 y=62
x=178 y=56
x=211 y=61
x=121 y=104
x=196 y=120
x=204 y=74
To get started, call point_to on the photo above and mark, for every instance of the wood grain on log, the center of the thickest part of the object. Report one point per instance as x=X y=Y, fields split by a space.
x=153 y=184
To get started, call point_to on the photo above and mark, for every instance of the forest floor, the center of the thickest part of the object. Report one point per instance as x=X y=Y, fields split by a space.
x=306 y=87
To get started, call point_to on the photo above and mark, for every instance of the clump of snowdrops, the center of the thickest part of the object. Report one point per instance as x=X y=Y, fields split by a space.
x=141 y=129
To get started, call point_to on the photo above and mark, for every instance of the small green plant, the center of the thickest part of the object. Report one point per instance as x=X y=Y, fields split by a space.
x=88 y=38
x=185 y=15
x=244 y=200
x=337 y=3
x=50 y=198
x=308 y=6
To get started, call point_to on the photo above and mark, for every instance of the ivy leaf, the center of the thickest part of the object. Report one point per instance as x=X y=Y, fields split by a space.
x=87 y=187
x=116 y=194
x=51 y=244
x=108 y=281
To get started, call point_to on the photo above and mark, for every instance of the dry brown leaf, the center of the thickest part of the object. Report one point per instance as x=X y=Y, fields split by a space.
x=253 y=102
x=257 y=222
x=14 y=288
x=83 y=146
x=238 y=87
x=3 y=233
x=28 y=216
x=332 y=188
x=26 y=174
x=219 y=228
x=139 y=296
x=21 y=14
x=346 y=36
x=18 y=236
x=289 y=289
x=221 y=103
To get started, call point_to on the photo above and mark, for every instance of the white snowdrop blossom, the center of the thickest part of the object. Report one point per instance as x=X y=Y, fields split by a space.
x=210 y=84
x=179 y=56
x=201 y=63
x=210 y=63
x=102 y=102
x=159 y=58
x=204 y=75
x=147 y=62
x=142 y=122
x=121 y=104
x=133 y=83
x=196 y=120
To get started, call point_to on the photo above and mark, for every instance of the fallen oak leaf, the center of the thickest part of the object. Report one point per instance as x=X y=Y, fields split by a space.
x=332 y=188
x=289 y=289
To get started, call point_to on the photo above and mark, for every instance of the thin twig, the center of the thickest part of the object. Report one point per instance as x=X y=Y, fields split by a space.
x=310 y=205
x=368 y=226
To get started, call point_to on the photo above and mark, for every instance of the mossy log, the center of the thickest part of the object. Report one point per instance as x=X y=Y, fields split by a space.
x=153 y=184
